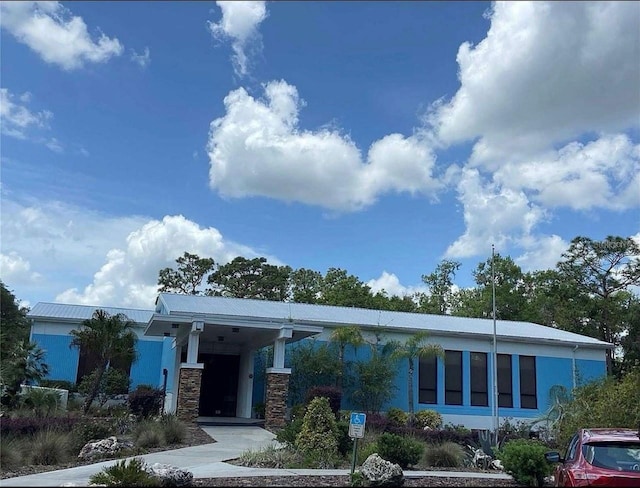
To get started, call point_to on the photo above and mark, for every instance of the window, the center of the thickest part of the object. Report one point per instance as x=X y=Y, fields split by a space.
x=479 y=385
x=453 y=378
x=428 y=380
x=505 y=392
x=571 y=450
x=528 y=397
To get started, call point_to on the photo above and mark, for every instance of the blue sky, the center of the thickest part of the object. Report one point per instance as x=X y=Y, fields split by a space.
x=378 y=137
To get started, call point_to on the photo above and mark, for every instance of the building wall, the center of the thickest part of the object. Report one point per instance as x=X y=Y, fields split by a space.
x=55 y=339
x=554 y=366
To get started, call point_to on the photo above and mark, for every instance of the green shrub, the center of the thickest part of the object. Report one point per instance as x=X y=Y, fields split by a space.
x=319 y=460
x=319 y=429
x=149 y=433
x=113 y=382
x=397 y=417
x=356 y=479
x=332 y=393
x=88 y=430
x=123 y=474
x=43 y=403
x=287 y=435
x=345 y=444
x=145 y=401
x=446 y=455
x=401 y=450
x=298 y=411
x=524 y=460
x=428 y=418
x=365 y=450
x=174 y=429
x=267 y=457
x=50 y=447
x=11 y=453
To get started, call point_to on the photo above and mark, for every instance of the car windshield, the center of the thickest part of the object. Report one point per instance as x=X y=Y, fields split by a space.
x=618 y=456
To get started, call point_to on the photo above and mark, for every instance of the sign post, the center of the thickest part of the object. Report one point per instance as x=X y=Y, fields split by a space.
x=356 y=431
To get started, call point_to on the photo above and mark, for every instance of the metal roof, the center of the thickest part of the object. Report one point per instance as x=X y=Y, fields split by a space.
x=63 y=311
x=331 y=315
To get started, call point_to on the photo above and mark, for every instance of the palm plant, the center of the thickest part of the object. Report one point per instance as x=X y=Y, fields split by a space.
x=414 y=348
x=343 y=337
x=110 y=338
x=23 y=363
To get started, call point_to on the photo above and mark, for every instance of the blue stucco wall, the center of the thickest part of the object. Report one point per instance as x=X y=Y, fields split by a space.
x=147 y=370
x=550 y=371
x=62 y=359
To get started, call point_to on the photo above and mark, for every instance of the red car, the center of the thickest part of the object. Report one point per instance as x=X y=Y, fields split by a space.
x=599 y=457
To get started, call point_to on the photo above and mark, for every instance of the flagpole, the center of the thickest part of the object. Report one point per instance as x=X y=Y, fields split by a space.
x=496 y=418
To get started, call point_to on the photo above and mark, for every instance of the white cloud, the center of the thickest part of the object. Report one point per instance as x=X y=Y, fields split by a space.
x=129 y=275
x=59 y=38
x=16 y=120
x=86 y=257
x=604 y=174
x=16 y=270
x=54 y=145
x=493 y=214
x=239 y=23
x=545 y=73
x=257 y=149
x=143 y=60
x=391 y=284
x=541 y=252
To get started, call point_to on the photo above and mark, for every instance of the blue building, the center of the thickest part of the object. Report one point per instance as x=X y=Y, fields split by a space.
x=206 y=346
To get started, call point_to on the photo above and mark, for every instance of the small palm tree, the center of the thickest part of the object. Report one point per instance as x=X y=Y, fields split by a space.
x=414 y=348
x=343 y=337
x=23 y=363
x=110 y=338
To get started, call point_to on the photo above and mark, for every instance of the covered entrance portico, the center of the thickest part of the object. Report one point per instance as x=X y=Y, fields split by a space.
x=213 y=359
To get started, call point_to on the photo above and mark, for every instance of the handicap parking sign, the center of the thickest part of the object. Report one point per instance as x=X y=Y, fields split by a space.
x=358 y=418
x=356 y=425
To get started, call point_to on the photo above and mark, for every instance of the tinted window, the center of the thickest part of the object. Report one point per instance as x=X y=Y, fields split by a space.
x=618 y=456
x=453 y=378
x=528 y=398
x=505 y=391
x=479 y=385
x=428 y=380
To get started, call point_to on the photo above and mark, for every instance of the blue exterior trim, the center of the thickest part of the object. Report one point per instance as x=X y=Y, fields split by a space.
x=466 y=378
x=62 y=359
x=440 y=385
x=515 y=379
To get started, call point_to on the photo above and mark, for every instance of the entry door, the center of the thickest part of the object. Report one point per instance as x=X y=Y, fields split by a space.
x=219 y=387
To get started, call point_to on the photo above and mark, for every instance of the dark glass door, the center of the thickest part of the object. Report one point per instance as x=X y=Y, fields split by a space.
x=219 y=386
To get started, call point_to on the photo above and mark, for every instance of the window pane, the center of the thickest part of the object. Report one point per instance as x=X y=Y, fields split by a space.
x=427 y=380
x=479 y=385
x=453 y=377
x=528 y=382
x=505 y=393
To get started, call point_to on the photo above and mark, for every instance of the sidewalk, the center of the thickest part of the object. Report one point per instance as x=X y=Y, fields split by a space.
x=207 y=461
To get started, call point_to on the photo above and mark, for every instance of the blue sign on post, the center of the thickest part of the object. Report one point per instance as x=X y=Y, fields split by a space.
x=358 y=418
x=356 y=425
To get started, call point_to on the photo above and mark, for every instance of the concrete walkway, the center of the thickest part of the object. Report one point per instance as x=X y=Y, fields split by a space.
x=207 y=461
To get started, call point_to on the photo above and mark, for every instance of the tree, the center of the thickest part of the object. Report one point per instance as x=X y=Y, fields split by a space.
x=312 y=364
x=250 y=278
x=110 y=338
x=21 y=361
x=415 y=347
x=343 y=337
x=440 y=285
x=509 y=284
x=187 y=279
x=601 y=270
x=373 y=382
x=344 y=290
x=305 y=285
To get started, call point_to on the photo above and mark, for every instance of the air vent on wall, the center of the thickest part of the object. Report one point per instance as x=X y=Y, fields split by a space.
x=235 y=329
x=175 y=326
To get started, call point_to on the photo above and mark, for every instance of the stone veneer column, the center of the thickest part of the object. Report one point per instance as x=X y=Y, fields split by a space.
x=188 y=405
x=277 y=391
